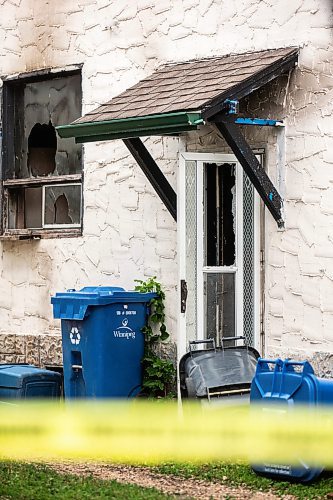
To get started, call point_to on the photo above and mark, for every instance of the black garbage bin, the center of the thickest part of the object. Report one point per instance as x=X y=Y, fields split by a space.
x=223 y=373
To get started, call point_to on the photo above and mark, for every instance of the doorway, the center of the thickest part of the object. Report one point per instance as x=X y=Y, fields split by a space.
x=219 y=251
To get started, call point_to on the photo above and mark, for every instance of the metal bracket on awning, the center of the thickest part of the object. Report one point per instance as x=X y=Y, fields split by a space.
x=252 y=167
x=153 y=174
x=231 y=109
x=261 y=122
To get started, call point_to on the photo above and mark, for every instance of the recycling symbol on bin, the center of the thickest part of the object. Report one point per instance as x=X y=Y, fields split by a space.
x=75 y=336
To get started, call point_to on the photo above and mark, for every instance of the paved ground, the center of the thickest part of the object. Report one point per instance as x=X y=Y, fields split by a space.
x=183 y=488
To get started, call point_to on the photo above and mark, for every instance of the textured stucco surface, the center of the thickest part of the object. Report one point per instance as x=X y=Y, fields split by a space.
x=40 y=350
x=127 y=232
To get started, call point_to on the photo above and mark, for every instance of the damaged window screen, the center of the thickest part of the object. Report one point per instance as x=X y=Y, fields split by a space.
x=220 y=214
x=62 y=205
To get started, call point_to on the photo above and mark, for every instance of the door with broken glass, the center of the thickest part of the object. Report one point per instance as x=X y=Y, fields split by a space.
x=219 y=251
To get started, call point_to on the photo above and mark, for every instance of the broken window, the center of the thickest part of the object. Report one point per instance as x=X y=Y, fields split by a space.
x=219 y=244
x=62 y=205
x=42 y=173
x=220 y=215
x=42 y=148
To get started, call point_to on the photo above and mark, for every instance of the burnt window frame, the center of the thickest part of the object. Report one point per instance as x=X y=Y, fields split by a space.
x=12 y=86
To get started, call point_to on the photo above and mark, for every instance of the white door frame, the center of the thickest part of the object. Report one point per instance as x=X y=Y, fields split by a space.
x=201 y=159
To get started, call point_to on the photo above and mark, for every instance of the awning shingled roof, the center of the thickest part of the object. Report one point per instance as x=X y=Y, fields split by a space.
x=175 y=90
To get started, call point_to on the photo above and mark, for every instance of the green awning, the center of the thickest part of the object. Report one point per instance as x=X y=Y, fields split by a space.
x=124 y=128
x=178 y=97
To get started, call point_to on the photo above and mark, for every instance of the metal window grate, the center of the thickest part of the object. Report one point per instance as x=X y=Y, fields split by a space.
x=191 y=248
x=248 y=260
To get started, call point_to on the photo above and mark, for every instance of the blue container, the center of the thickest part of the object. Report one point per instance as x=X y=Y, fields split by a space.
x=102 y=342
x=27 y=381
x=289 y=383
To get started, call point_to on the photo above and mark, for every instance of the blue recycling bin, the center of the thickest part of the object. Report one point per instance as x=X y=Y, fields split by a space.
x=289 y=384
x=102 y=341
x=24 y=381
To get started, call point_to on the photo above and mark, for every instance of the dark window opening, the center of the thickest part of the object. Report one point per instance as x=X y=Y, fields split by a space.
x=42 y=148
x=32 y=209
x=42 y=173
x=220 y=212
x=61 y=211
x=62 y=205
x=15 y=201
x=219 y=292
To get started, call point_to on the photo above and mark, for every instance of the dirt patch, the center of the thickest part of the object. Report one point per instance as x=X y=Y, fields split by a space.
x=173 y=485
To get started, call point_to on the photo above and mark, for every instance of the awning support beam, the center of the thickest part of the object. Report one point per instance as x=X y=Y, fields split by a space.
x=253 y=169
x=153 y=174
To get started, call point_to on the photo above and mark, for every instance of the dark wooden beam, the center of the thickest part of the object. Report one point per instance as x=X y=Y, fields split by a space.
x=40 y=181
x=253 y=169
x=153 y=174
x=8 y=122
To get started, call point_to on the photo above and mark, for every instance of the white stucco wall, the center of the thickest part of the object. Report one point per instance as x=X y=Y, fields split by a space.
x=128 y=234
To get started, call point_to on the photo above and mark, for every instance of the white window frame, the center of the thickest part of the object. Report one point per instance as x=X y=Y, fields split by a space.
x=59 y=226
x=237 y=268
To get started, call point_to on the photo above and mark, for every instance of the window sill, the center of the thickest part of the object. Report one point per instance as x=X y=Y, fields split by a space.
x=39 y=234
x=39 y=181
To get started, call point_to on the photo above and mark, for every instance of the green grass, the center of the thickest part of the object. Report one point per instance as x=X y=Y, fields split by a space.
x=37 y=482
x=242 y=475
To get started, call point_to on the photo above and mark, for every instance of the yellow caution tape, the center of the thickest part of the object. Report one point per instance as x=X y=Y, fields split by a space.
x=150 y=432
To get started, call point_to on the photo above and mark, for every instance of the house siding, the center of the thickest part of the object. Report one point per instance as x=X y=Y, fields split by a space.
x=127 y=233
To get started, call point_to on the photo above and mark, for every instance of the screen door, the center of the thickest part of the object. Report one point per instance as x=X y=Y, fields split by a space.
x=219 y=251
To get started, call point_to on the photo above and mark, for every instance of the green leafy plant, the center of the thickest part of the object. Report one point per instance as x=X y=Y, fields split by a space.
x=158 y=374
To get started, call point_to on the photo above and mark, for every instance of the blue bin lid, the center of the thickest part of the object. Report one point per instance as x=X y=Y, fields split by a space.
x=289 y=383
x=284 y=381
x=13 y=375
x=73 y=304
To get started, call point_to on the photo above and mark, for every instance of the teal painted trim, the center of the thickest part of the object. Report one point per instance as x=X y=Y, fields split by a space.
x=137 y=126
x=258 y=121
